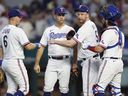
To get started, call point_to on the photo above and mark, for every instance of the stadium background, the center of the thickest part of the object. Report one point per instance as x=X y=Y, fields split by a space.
x=37 y=16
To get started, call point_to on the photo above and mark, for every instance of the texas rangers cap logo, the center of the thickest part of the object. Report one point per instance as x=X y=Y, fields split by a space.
x=62 y=9
x=80 y=6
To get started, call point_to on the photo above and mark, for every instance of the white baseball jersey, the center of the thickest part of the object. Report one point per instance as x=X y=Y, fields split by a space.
x=54 y=32
x=108 y=40
x=58 y=69
x=87 y=34
x=11 y=39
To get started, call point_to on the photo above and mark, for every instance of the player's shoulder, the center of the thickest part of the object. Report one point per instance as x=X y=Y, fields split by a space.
x=12 y=27
x=68 y=27
x=50 y=28
x=89 y=23
x=111 y=30
x=19 y=30
x=109 y=33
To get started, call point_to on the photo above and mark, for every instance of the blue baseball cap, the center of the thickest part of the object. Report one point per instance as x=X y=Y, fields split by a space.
x=60 y=10
x=14 y=13
x=82 y=8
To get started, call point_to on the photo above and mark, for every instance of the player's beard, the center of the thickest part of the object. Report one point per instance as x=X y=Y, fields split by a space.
x=17 y=25
x=103 y=22
x=81 y=21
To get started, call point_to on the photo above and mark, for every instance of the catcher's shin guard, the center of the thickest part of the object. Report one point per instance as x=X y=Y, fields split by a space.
x=98 y=90
x=115 y=91
x=64 y=94
x=19 y=93
x=8 y=94
x=47 y=94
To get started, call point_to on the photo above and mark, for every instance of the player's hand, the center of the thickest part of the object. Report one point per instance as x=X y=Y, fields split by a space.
x=74 y=70
x=37 y=68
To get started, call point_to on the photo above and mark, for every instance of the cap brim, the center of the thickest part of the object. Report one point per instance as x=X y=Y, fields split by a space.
x=78 y=10
x=60 y=13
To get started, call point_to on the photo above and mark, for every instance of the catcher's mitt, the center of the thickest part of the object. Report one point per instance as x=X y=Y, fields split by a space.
x=70 y=34
x=1 y=75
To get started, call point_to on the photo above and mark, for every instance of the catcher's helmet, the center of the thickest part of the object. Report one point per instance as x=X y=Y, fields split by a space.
x=111 y=12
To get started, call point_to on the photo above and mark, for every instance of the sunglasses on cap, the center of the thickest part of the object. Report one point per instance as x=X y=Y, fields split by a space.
x=61 y=14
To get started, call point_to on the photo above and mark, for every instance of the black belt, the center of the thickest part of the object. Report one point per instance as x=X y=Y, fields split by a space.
x=59 y=57
x=92 y=57
x=111 y=57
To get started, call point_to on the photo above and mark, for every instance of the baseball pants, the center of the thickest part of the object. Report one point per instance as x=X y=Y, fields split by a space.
x=16 y=75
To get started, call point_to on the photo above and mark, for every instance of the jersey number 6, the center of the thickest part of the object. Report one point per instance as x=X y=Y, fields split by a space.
x=5 y=41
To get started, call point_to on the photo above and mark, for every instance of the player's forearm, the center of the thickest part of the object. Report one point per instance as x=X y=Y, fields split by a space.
x=31 y=46
x=64 y=43
x=39 y=55
x=75 y=54
x=67 y=43
x=97 y=49
x=1 y=53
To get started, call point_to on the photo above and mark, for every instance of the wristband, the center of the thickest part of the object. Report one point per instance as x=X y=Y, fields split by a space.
x=1 y=62
x=38 y=45
x=92 y=48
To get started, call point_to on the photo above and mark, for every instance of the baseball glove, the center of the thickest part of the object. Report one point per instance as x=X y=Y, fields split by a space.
x=1 y=76
x=74 y=74
x=70 y=34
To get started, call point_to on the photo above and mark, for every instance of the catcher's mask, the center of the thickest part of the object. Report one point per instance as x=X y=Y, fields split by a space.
x=110 y=12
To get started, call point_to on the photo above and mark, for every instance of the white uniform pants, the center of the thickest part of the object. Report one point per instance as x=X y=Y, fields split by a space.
x=16 y=75
x=110 y=72
x=90 y=69
x=57 y=69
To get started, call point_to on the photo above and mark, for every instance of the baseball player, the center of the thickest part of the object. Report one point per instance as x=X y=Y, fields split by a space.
x=87 y=34
x=58 y=66
x=12 y=42
x=112 y=43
